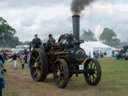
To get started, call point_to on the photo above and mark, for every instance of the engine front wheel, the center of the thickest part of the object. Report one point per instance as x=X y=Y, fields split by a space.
x=93 y=72
x=38 y=66
x=61 y=73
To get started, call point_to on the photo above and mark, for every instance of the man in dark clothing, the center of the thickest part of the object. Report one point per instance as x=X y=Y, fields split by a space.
x=2 y=70
x=25 y=58
x=14 y=58
x=2 y=59
x=36 y=42
x=26 y=55
x=51 y=40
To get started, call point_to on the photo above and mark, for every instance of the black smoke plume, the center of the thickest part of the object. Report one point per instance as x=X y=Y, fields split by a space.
x=78 y=5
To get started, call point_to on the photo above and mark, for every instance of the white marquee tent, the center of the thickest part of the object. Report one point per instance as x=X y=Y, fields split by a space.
x=92 y=46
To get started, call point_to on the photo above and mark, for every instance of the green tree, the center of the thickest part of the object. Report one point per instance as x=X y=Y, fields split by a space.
x=7 y=32
x=109 y=37
x=88 y=36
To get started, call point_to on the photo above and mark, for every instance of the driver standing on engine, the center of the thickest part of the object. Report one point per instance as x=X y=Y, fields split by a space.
x=51 y=40
x=36 y=42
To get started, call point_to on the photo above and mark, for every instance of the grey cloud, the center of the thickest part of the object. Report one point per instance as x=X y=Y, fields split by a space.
x=29 y=3
x=47 y=3
x=26 y=24
x=114 y=1
x=28 y=21
x=57 y=26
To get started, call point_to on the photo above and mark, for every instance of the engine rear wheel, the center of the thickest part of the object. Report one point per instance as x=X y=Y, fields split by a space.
x=93 y=72
x=61 y=73
x=38 y=65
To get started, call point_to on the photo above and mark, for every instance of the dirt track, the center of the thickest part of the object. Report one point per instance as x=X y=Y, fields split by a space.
x=19 y=83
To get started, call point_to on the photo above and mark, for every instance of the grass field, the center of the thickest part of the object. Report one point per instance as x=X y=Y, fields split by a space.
x=114 y=82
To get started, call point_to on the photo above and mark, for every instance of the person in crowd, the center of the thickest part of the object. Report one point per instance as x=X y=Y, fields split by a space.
x=96 y=55
x=14 y=58
x=101 y=55
x=50 y=42
x=2 y=71
x=51 y=39
x=26 y=56
x=113 y=53
x=4 y=55
x=21 y=58
x=36 y=42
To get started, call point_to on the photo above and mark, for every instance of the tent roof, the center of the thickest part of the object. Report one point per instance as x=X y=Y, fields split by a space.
x=95 y=44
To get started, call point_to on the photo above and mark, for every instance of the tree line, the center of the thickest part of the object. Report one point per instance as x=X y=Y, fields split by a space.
x=7 y=34
x=108 y=36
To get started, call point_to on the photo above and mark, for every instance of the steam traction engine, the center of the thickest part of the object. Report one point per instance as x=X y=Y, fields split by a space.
x=64 y=59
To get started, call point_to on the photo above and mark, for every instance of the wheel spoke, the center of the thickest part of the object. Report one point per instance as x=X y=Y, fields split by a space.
x=95 y=75
x=95 y=67
x=61 y=68
x=35 y=74
x=61 y=72
x=32 y=67
x=91 y=79
x=91 y=64
x=38 y=73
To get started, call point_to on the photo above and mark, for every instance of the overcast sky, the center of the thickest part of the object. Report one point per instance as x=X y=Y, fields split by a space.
x=29 y=17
